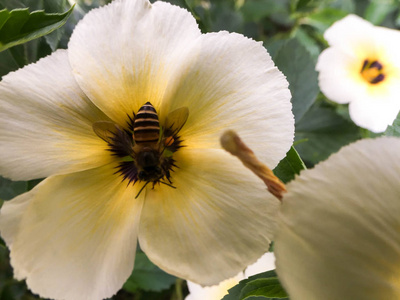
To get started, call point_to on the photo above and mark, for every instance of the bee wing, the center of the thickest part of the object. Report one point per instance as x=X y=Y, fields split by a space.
x=175 y=121
x=106 y=130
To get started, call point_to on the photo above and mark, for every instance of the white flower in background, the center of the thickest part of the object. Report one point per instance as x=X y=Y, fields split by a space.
x=217 y=292
x=362 y=67
x=74 y=235
x=339 y=234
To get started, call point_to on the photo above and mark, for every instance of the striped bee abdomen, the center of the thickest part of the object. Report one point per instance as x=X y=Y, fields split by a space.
x=146 y=127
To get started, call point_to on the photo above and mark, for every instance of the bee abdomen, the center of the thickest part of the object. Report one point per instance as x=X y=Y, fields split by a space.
x=146 y=127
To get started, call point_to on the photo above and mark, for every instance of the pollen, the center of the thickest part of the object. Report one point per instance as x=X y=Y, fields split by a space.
x=372 y=71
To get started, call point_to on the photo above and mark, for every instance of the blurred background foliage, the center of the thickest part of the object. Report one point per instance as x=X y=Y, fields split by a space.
x=291 y=30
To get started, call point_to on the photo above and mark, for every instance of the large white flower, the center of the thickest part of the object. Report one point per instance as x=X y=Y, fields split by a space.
x=74 y=235
x=339 y=235
x=217 y=292
x=362 y=67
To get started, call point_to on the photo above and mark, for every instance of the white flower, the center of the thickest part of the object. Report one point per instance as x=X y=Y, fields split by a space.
x=339 y=235
x=362 y=67
x=217 y=292
x=74 y=235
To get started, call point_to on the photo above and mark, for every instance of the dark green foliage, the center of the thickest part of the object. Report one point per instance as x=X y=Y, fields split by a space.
x=296 y=63
x=20 y=26
x=322 y=132
x=147 y=277
x=394 y=129
x=261 y=286
x=290 y=166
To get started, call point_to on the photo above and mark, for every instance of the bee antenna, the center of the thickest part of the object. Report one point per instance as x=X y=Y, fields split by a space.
x=174 y=187
x=142 y=189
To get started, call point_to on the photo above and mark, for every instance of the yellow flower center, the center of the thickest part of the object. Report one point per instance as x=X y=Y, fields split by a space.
x=372 y=71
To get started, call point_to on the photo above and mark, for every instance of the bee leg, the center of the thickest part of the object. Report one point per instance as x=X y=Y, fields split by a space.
x=142 y=189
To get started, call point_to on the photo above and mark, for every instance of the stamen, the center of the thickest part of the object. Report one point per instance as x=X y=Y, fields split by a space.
x=372 y=71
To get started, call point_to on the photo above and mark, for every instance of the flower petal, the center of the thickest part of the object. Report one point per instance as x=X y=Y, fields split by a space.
x=215 y=292
x=376 y=114
x=349 y=33
x=217 y=221
x=132 y=53
x=263 y=264
x=46 y=122
x=354 y=42
x=339 y=231
x=339 y=77
x=372 y=107
x=225 y=89
x=73 y=236
x=172 y=65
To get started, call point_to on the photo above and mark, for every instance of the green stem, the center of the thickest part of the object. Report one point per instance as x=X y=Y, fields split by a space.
x=178 y=290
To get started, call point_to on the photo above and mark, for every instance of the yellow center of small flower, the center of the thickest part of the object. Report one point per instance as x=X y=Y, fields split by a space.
x=372 y=71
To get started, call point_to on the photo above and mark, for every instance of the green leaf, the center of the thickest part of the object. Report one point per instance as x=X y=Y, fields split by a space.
x=296 y=63
x=7 y=63
x=255 y=10
x=289 y=166
x=322 y=19
x=308 y=42
x=147 y=276
x=394 y=129
x=377 y=10
x=55 y=6
x=325 y=133
x=9 y=189
x=264 y=285
x=19 y=26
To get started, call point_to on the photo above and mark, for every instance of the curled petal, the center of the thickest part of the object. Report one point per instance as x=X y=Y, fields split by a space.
x=339 y=231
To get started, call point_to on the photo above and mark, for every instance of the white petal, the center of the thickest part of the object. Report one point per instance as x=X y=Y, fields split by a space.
x=46 y=122
x=223 y=88
x=339 y=75
x=353 y=34
x=126 y=53
x=375 y=114
x=179 y=67
x=352 y=41
x=349 y=33
x=339 y=230
x=217 y=221
x=215 y=292
x=263 y=264
x=371 y=106
x=73 y=236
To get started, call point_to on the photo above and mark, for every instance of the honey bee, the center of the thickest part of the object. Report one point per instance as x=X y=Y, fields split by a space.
x=145 y=148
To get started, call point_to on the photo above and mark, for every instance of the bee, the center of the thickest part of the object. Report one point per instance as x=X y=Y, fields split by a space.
x=146 y=147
